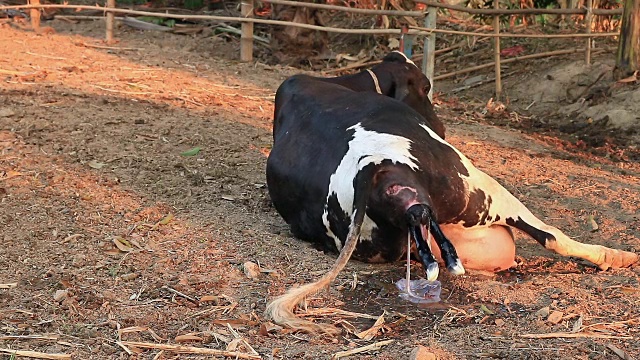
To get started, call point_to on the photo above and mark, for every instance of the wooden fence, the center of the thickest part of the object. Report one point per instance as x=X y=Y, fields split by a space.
x=428 y=30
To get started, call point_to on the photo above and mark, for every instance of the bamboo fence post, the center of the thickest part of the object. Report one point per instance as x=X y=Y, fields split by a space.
x=35 y=16
x=588 y=22
x=496 y=50
x=110 y=21
x=246 y=38
x=429 y=49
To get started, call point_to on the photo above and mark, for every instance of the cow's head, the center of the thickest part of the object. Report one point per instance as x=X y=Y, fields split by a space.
x=401 y=79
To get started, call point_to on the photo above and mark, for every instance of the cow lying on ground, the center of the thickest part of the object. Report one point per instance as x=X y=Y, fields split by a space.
x=358 y=172
x=396 y=76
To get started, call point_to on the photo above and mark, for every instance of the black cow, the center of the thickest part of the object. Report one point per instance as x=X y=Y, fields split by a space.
x=396 y=76
x=358 y=172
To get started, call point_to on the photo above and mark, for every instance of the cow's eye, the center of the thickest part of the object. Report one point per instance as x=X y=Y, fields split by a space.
x=426 y=89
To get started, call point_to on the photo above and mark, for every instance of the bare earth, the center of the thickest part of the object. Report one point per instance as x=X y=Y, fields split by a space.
x=90 y=151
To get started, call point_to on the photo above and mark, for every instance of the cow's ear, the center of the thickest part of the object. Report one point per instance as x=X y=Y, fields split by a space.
x=395 y=57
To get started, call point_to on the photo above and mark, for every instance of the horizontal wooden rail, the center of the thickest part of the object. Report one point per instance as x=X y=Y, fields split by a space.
x=517 y=58
x=347 y=9
x=520 y=11
x=507 y=35
x=218 y=18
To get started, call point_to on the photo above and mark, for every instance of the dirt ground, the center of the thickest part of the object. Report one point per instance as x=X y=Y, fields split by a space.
x=115 y=230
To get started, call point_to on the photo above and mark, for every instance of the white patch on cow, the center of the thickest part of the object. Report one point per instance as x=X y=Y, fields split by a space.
x=325 y=221
x=368 y=225
x=366 y=147
x=478 y=180
x=406 y=58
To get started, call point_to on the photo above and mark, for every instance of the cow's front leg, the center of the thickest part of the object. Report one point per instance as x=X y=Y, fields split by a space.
x=448 y=251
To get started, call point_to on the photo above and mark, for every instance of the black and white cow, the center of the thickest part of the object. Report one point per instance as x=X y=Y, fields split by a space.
x=396 y=76
x=358 y=172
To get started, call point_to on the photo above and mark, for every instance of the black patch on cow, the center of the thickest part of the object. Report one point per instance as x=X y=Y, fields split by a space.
x=387 y=244
x=338 y=220
x=541 y=236
x=477 y=209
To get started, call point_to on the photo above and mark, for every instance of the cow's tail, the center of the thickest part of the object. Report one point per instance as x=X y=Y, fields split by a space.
x=280 y=310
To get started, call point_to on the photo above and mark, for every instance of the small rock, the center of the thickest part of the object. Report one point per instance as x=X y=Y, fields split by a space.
x=543 y=313
x=60 y=295
x=6 y=112
x=129 y=276
x=499 y=322
x=421 y=353
x=251 y=270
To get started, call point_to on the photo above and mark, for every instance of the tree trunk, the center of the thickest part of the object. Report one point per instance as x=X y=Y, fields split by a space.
x=628 y=57
x=291 y=44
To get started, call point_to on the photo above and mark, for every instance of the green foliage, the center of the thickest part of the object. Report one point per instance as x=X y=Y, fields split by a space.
x=132 y=2
x=193 y=4
x=158 y=21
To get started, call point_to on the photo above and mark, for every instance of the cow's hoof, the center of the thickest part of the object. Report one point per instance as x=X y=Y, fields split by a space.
x=456 y=268
x=433 y=270
x=613 y=258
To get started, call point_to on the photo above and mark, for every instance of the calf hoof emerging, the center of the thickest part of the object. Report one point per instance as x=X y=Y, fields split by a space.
x=432 y=271
x=488 y=250
x=456 y=268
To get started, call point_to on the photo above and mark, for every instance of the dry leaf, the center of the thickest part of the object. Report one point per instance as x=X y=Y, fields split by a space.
x=372 y=331
x=234 y=322
x=422 y=353
x=593 y=223
x=629 y=290
x=122 y=244
x=555 y=317
x=209 y=298
x=267 y=327
x=135 y=243
x=167 y=219
x=499 y=322
x=70 y=237
x=251 y=270
x=128 y=277
x=621 y=354
x=10 y=174
x=577 y=326
x=187 y=338
x=486 y=310
x=233 y=345
x=96 y=165
x=140 y=329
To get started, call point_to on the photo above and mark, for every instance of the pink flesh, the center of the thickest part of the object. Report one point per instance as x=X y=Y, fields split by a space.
x=488 y=249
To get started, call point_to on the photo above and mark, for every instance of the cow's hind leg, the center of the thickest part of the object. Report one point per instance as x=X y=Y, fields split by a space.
x=513 y=213
x=429 y=262
x=448 y=251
